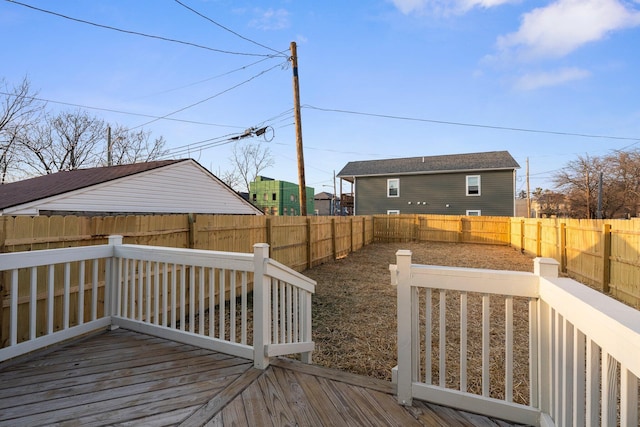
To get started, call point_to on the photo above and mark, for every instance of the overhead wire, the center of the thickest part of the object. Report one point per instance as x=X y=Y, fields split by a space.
x=137 y=33
x=111 y=110
x=280 y=53
x=444 y=122
x=210 y=97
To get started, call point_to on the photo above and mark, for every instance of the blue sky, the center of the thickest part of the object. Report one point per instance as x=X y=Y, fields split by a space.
x=378 y=78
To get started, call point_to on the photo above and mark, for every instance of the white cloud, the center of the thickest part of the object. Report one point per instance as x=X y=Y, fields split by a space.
x=270 y=19
x=445 y=6
x=534 y=81
x=565 y=25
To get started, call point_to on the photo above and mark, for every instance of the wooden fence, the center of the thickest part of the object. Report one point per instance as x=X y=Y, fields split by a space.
x=602 y=254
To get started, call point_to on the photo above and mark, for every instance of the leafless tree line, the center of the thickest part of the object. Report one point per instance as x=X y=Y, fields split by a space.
x=35 y=141
x=611 y=182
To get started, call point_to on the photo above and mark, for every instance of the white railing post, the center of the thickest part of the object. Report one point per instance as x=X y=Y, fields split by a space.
x=545 y=267
x=405 y=333
x=111 y=279
x=261 y=306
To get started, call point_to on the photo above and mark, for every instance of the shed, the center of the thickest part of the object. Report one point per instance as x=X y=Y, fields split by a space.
x=157 y=187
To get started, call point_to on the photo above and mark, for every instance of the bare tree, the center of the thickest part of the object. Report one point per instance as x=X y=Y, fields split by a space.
x=248 y=160
x=18 y=110
x=579 y=181
x=133 y=147
x=66 y=141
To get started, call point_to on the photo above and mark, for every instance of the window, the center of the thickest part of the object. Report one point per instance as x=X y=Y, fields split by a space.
x=473 y=185
x=273 y=197
x=393 y=212
x=255 y=197
x=473 y=212
x=393 y=187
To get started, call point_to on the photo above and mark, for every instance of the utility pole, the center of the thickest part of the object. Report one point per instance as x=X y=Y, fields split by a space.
x=298 y=121
x=528 y=192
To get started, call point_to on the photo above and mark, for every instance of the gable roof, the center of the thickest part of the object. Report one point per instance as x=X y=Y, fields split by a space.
x=492 y=160
x=29 y=190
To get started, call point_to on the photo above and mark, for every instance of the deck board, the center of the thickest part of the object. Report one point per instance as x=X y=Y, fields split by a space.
x=125 y=378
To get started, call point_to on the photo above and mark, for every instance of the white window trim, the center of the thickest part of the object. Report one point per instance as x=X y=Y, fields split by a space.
x=393 y=212
x=474 y=212
x=467 y=185
x=388 y=182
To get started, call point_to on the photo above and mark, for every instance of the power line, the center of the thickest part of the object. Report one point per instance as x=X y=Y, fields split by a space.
x=443 y=122
x=210 y=97
x=229 y=30
x=110 y=110
x=137 y=33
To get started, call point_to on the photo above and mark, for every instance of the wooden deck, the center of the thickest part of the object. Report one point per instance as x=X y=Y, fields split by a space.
x=125 y=378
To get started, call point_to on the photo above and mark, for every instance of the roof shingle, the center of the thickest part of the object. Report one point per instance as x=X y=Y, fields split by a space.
x=491 y=160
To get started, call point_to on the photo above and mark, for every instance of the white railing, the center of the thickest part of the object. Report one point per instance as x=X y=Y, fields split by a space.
x=575 y=349
x=246 y=305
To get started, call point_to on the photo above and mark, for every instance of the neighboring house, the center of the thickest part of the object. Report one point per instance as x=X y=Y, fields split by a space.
x=159 y=187
x=326 y=204
x=457 y=184
x=281 y=198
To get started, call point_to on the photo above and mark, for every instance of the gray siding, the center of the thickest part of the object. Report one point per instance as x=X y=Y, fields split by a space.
x=437 y=190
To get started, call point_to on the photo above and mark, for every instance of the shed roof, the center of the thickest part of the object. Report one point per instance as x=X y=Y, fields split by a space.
x=492 y=160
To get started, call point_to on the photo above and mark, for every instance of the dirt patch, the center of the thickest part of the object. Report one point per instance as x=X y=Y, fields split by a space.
x=354 y=307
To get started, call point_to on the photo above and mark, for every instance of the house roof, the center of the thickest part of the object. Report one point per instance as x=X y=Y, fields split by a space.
x=29 y=190
x=492 y=160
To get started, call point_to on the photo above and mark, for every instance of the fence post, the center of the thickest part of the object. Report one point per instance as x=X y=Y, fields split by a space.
x=111 y=281
x=405 y=322
x=563 y=247
x=606 y=257
x=309 y=244
x=333 y=238
x=191 y=218
x=261 y=306
x=539 y=238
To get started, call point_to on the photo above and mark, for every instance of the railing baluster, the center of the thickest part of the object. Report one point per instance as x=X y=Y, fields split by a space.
x=33 y=303
x=174 y=290
x=232 y=306
x=165 y=293
x=579 y=383
x=428 y=376
x=442 y=346
x=13 y=334
x=558 y=367
x=212 y=302
x=147 y=314
x=221 y=305
x=125 y=288
x=66 y=291
x=628 y=397
x=192 y=299
x=201 y=300
x=81 y=268
x=156 y=293
x=463 y=341
x=94 y=290
x=274 y=308
x=508 y=345
x=593 y=384
x=283 y=315
x=534 y=349
x=243 y=338
x=486 y=344
x=50 y=297
x=567 y=379
x=609 y=390
x=140 y=288
x=183 y=291
x=295 y=316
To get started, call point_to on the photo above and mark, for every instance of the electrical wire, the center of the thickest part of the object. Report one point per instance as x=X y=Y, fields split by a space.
x=210 y=97
x=136 y=33
x=110 y=110
x=229 y=30
x=443 y=122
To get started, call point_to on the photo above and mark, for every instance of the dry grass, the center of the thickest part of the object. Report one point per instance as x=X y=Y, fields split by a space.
x=354 y=312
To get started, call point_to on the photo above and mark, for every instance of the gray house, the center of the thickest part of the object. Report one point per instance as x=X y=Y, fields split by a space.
x=457 y=184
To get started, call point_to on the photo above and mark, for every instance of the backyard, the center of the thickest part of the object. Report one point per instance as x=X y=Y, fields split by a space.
x=354 y=307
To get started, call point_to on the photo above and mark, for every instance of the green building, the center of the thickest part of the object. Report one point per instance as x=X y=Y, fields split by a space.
x=278 y=197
